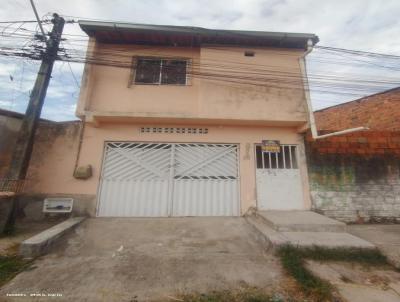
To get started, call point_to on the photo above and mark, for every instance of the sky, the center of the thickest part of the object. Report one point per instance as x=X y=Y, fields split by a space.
x=366 y=25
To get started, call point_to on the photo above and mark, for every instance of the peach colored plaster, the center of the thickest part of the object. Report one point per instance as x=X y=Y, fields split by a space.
x=105 y=90
x=246 y=137
x=222 y=107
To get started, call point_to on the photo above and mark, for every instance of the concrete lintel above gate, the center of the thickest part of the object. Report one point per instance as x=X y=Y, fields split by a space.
x=97 y=117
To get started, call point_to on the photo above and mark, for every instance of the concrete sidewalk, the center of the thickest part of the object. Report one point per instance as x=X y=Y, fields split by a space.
x=117 y=259
x=385 y=236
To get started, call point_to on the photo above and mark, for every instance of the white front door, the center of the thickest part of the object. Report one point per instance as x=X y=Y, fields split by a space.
x=169 y=179
x=278 y=177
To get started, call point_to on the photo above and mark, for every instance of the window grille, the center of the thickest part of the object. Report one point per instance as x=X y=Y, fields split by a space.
x=158 y=71
x=285 y=159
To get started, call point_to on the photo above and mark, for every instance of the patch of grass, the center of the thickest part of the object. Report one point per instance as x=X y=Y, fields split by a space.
x=293 y=262
x=9 y=232
x=242 y=295
x=292 y=259
x=10 y=266
x=370 y=257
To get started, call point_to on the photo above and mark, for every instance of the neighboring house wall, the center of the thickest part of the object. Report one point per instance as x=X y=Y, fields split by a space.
x=54 y=152
x=9 y=127
x=356 y=177
x=379 y=111
x=52 y=164
x=53 y=158
x=10 y=123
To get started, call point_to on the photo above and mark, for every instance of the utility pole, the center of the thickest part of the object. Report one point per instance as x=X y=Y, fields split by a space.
x=24 y=144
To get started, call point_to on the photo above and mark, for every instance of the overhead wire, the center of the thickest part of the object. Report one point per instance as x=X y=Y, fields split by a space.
x=265 y=75
x=19 y=21
x=265 y=78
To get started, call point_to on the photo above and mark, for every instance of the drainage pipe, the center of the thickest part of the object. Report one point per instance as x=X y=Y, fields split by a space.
x=311 y=118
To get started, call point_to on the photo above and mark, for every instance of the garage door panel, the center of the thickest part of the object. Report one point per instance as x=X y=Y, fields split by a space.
x=133 y=183
x=205 y=197
x=161 y=179
x=207 y=185
x=134 y=198
x=210 y=160
x=146 y=160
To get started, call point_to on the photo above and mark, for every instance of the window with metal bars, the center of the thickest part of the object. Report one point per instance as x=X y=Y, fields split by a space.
x=285 y=159
x=161 y=71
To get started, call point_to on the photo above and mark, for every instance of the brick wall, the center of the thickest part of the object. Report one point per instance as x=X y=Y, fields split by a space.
x=356 y=177
x=379 y=111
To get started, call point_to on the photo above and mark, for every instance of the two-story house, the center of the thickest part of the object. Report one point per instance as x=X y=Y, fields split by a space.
x=186 y=121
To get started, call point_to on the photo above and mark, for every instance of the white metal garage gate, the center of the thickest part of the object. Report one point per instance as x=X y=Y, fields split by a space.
x=169 y=179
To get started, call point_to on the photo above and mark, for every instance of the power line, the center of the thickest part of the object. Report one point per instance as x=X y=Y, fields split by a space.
x=336 y=49
x=350 y=51
x=73 y=75
x=23 y=21
x=262 y=75
x=265 y=78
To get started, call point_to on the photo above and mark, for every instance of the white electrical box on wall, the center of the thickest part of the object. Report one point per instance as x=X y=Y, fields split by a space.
x=58 y=205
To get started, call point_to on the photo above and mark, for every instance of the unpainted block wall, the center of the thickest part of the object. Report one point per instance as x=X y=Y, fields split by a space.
x=356 y=177
x=54 y=156
x=51 y=168
x=9 y=127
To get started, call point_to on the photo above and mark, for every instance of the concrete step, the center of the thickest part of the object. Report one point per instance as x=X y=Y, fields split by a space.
x=326 y=239
x=300 y=221
x=265 y=233
x=40 y=243
x=305 y=239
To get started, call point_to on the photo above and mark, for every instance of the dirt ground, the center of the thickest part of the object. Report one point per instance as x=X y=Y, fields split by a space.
x=117 y=259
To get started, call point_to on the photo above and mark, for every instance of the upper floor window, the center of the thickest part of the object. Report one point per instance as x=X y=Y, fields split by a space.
x=161 y=71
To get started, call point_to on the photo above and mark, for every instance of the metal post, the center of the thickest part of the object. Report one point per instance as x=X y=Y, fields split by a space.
x=24 y=144
x=171 y=181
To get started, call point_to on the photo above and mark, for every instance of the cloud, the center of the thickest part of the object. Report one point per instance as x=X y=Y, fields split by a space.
x=60 y=112
x=5 y=103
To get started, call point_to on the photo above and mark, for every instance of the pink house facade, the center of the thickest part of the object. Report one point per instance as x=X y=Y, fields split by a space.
x=182 y=121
